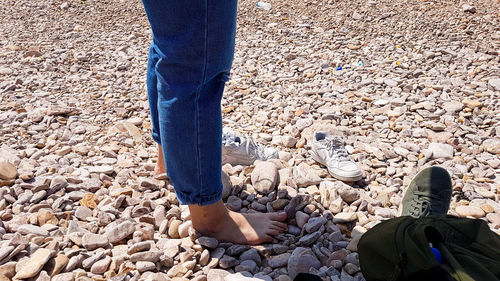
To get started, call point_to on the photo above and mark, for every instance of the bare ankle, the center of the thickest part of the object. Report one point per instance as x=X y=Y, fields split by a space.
x=209 y=220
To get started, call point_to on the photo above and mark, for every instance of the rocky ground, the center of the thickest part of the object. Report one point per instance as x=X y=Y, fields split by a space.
x=409 y=83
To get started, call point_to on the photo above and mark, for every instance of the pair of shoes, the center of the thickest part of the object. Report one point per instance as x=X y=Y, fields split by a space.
x=429 y=194
x=329 y=151
x=242 y=150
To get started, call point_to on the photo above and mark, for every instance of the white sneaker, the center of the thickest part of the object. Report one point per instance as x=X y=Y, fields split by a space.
x=330 y=151
x=242 y=150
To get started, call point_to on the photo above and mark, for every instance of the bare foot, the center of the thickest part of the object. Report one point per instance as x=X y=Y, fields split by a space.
x=227 y=226
x=160 y=170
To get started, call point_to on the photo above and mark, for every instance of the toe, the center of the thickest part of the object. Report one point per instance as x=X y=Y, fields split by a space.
x=264 y=239
x=278 y=228
x=268 y=238
x=277 y=216
x=280 y=225
x=273 y=231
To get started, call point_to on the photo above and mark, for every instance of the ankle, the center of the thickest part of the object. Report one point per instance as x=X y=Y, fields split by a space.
x=209 y=220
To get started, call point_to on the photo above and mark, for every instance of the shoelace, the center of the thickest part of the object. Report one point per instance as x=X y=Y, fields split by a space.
x=228 y=138
x=253 y=150
x=424 y=204
x=335 y=146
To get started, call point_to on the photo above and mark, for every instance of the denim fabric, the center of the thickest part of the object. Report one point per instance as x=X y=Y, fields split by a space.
x=189 y=62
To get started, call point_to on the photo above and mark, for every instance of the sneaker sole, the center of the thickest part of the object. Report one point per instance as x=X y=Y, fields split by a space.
x=316 y=158
x=235 y=160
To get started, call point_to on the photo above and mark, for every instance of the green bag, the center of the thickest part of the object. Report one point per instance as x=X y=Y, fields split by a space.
x=399 y=249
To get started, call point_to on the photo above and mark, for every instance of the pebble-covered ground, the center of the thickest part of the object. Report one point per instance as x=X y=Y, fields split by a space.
x=409 y=84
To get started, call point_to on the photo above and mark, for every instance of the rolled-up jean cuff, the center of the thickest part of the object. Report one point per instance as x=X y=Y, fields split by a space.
x=203 y=200
x=156 y=138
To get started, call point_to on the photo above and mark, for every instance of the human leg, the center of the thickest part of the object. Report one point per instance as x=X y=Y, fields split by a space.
x=195 y=42
x=152 y=89
x=160 y=171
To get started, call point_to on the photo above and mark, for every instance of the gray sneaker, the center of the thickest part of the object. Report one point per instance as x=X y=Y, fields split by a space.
x=330 y=151
x=242 y=150
x=429 y=193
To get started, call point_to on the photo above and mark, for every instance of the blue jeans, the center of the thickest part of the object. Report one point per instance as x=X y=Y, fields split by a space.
x=189 y=62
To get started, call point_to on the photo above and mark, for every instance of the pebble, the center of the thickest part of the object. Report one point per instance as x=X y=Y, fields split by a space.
x=240 y=277
x=120 y=232
x=208 y=242
x=247 y=265
x=468 y=8
x=7 y=170
x=349 y=195
x=63 y=277
x=173 y=230
x=150 y=256
x=297 y=203
x=357 y=16
x=57 y=265
x=90 y=261
x=227 y=186
x=305 y=176
x=494 y=84
x=302 y=260
x=352 y=258
x=26 y=229
x=228 y=262
x=234 y=203
x=108 y=170
x=492 y=146
x=204 y=257
x=351 y=269
x=314 y=224
x=46 y=216
x=441 y=150
x=91 y=241
x=472 y=103
x=236 y=250
x=101 y=266
x=494 y=218
x=301 y=219
x=381 y=102
x=470 y=211
x=139 y=247
x=177 y=271
x=453 y=106
x=83 y=213
x=390 y=82
x=217 y=275
x=264 y=177
x=5 y=251
x=143 y=266
x=33 y=266
x=77 y=159
x=251 y=254
x=279 y=261
x=344 y=217
x=184 y=229
x=308 y=239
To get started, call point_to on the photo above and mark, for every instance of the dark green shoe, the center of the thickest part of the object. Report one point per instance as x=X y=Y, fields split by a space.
x=428 y=194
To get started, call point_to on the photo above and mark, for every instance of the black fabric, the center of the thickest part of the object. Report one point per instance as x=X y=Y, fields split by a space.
x=399 y=249
x=307 y=277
